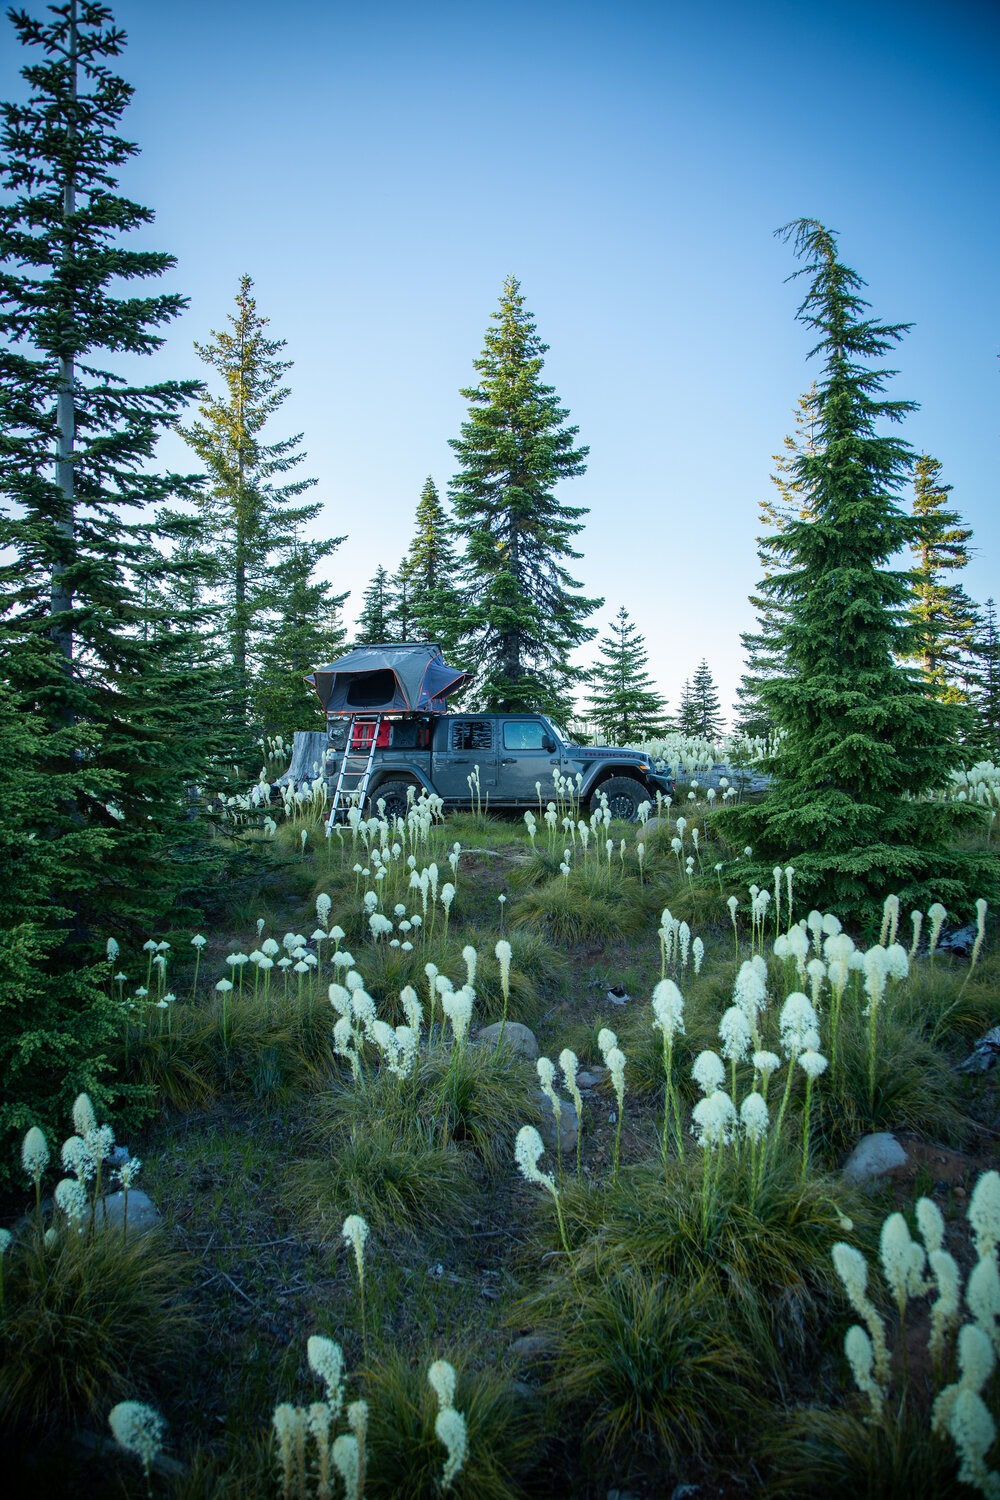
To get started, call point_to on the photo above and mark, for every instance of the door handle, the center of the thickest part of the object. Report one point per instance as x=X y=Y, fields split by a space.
x=456 y=762
x=510 y=760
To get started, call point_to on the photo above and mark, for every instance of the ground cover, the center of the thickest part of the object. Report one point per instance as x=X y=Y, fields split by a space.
x=648 y=1303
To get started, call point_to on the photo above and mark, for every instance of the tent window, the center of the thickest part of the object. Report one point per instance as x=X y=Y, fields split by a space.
x=373 y=690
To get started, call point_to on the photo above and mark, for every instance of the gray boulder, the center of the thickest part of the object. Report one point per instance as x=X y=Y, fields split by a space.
x=143 y=1215
x=569 y=1125
x=519 y=1038
x=872 y=1158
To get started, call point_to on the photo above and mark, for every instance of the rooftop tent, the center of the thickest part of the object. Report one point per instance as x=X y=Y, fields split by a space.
x=388 y=679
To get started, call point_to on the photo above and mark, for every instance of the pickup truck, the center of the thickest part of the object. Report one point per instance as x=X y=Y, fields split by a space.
x=513 y=755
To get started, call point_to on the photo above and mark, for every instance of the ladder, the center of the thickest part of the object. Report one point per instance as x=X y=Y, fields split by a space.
x=356 y=764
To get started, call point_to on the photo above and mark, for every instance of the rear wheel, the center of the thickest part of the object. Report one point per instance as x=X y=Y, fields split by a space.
x=394 y=795
x=624 y=797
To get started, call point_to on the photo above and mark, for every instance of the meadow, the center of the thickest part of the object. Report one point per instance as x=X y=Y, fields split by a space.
x=503 y=1157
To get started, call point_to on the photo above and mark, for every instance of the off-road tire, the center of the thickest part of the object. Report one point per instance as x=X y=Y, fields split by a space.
x=394 y=794
x=624 y=796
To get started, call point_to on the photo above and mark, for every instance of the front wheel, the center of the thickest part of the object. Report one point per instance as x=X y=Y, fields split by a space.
x=624 y=795
x=394 y=795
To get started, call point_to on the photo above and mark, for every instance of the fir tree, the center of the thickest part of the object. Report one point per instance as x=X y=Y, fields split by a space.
x=942 y=614
x=307 y=632
x=862 y=739
x=687 y=721
x=250 y=506
x=623 y=701
x=430 y=570
x=703 y=715
x=375 y=622
x=760 y=646
x=97 y=837
x=83 y=537
x=401 y=611
x=522 y=614
x=986 y=689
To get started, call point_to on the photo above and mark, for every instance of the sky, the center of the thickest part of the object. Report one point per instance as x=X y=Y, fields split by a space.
x=379 y=169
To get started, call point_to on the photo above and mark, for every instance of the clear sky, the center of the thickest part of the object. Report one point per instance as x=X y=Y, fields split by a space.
x=379 y=168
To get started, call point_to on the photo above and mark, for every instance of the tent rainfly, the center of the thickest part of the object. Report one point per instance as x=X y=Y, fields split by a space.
x=388 y=679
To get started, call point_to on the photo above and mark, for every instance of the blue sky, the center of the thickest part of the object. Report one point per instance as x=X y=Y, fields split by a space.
x=379 y=169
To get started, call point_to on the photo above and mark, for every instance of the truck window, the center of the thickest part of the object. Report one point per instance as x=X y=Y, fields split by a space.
x=472 y=734
x=524 y=734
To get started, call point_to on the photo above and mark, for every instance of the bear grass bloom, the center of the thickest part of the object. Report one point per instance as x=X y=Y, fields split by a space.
x=138 y=1429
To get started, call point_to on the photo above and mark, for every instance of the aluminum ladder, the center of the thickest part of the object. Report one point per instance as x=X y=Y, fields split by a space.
x=356 y=764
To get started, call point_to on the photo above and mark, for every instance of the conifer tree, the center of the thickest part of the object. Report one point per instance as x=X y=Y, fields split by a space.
x=401 y=612
x=623 y=700
x=250 y=506
x=942 y=614
x=862 y=739
x=986 y=684
x=522 y=612
x=760 y=646
x=687 y=714
x=98 y=837
x=703 y=713
x=306 y=633
x=375 y=622
x=429 y=569
x=82 y=526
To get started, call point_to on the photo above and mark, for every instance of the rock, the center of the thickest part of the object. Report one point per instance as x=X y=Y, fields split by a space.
x=520 y=1038
x=873 y=1157
x=590 y=1077
x=143 y=1215
x=532 y=1346
x=961 y=941
x=569 y=1125
x=985 y=1054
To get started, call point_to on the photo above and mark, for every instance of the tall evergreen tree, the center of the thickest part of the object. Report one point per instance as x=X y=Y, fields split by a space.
x=986 y=689
x=83 y=538
x=760 y=646
x=306 y=632
x=687 y=721
x=429 y=570
x=375 y=622
x=862 y=739
x=702 y=715
x=942 y=614
x=523 y=614
x=250 y=506
x=623 y=700
x=97 y=832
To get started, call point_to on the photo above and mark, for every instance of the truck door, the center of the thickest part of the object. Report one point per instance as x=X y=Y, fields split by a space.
x=525 y=761
x=469 y=742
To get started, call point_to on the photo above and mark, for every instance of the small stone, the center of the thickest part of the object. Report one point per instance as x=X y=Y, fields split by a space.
x=873 y=1157
x=589 y=1078
x=143 y=1215
x=521 y=1039
x=532 y=1346
x=569 y=1125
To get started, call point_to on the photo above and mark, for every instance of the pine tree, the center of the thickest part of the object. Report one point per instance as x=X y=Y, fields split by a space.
x=942 y=614
x=97 y=837
x=402 y=619
x=83 y=537
x=429 y=569
x=687 y=721
x=760 y=646
x=375 y=622
x=700 y=711
x=250 y=507
x=307 y=632
x=986 y=691
x=862 y=739
x=623 y=701
x=522 y=613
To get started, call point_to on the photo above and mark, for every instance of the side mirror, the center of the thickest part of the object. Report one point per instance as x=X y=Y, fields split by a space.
x=548 y=743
